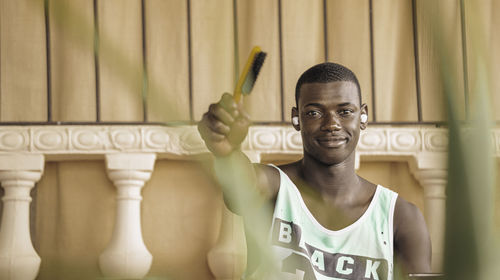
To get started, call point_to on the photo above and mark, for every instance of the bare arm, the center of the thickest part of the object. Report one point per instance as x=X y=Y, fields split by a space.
x=412 y=243
x=223 y=127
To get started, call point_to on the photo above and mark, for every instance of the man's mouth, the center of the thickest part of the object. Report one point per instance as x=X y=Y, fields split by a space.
x=332 y=141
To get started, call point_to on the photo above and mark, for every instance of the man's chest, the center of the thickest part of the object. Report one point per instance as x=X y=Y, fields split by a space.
x=305 y=256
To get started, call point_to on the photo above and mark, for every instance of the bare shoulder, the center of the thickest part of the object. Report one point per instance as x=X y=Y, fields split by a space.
x=412 y=242
x=405 y=212
x=268 y=179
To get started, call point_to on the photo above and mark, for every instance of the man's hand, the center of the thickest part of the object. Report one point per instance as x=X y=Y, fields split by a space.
x=224 y=126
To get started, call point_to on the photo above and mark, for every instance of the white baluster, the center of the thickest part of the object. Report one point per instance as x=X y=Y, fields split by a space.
x=434 y=183
x=228 y=258
x=430 y=169
x=18 y=258
x=126 y=255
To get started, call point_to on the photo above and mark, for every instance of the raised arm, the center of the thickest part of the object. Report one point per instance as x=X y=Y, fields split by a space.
x=248 y=188
x=223 y=128
x=412 y=243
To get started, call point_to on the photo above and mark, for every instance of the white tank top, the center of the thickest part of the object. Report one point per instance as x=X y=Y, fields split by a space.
x=304 y=249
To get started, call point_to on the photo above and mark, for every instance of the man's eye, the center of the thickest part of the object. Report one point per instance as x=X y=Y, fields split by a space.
x=313 y=113
x=346 y=112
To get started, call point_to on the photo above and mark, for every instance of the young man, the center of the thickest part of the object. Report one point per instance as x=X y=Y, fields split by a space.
x=328 y=223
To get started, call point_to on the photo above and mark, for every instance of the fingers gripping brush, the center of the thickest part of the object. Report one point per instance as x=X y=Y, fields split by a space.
x=250 y=72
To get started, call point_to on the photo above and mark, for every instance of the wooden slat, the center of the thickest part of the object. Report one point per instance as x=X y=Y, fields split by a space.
x=23 y=70
x=212 y=52
x=482 y=23
x=72 y=60
x=495 y=59
x=395 y=86
x=167 y=60
x=349 y=41
x=439 y=23
x=303 y=43
x=120 y=60
x=258 y=25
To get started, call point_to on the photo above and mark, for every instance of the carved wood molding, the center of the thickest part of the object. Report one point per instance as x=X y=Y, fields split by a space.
x=78 y=142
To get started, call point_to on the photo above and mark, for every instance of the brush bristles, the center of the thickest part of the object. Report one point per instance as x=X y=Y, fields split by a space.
x=253 y=73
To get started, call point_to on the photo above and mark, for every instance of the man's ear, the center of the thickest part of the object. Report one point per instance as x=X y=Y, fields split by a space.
x=363 y=121
x=295 y=119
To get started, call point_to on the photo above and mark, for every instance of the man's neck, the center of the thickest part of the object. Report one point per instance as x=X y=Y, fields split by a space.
x=331 y=181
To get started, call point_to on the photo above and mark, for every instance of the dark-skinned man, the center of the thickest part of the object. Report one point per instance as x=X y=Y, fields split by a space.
x=327 y=223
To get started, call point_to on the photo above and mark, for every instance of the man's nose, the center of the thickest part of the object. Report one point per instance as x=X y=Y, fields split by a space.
x=331 y=123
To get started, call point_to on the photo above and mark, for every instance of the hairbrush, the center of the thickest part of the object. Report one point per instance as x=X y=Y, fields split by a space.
x=249 y=74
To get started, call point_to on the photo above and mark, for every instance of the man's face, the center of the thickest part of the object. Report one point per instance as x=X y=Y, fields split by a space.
x=329 y=120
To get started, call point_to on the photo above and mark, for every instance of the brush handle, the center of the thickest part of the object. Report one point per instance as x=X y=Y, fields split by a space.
x=237 y=97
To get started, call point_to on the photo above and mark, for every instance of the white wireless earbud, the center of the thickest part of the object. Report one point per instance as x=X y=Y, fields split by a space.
x=364 y=118
x=295 y=120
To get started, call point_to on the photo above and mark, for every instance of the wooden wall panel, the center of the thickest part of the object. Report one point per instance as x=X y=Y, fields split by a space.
x=212 y=39
x=483 y=44
x=258 y=25
x=72 y=60
x=395 y=86
x=439 y=23
x=167 y=60
x=23 y=69
x=181 y=220
x=482 y=53
x=303 y=43
x=349 y=41
x=76 y=209
x=120 y=60
x=495 y=59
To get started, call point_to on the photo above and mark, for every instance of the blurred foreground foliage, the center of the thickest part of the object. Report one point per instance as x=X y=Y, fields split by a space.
x=471 y=241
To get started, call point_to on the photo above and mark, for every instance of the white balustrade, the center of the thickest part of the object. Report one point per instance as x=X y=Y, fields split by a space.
x=126 y=255
x=18 y=175
x=424 y=146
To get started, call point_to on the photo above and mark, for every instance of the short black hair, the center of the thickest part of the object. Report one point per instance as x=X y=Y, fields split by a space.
x=325 y=73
